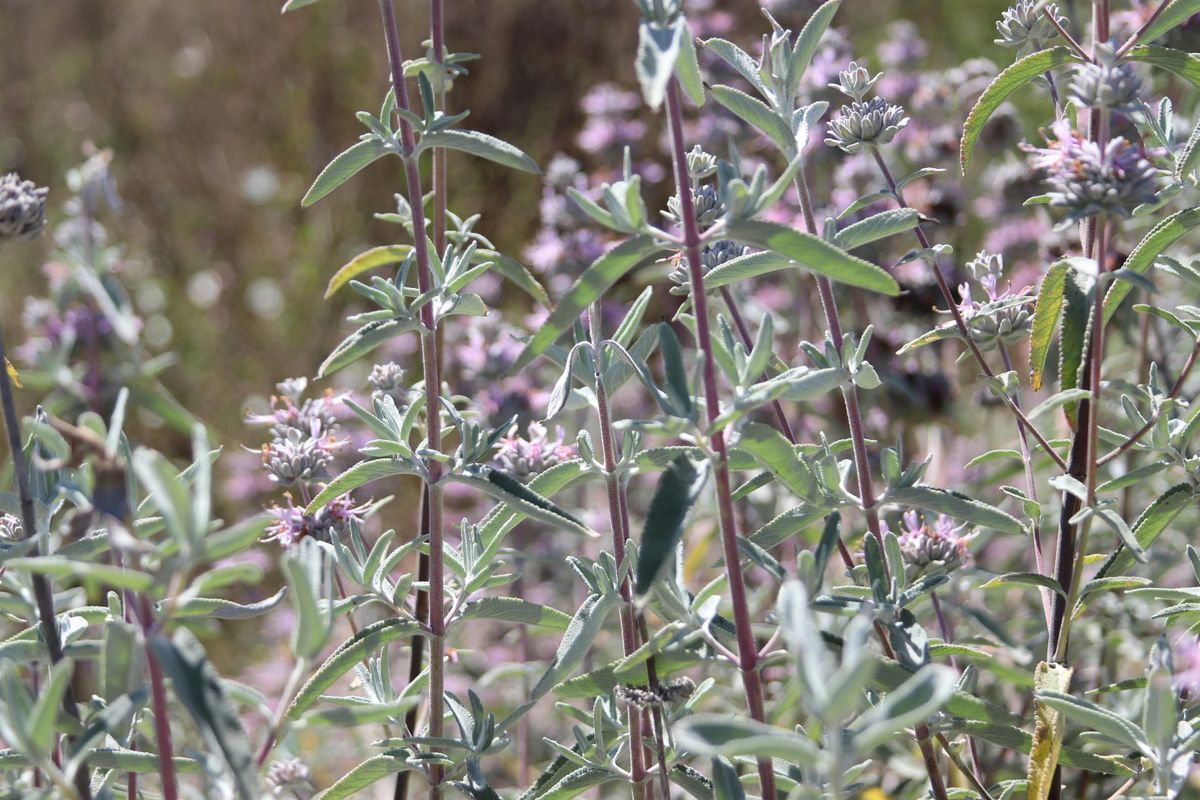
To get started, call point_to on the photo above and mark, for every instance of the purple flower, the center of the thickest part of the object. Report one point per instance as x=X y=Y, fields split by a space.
x=291 y=524
x=523 y=457
x=926 y=548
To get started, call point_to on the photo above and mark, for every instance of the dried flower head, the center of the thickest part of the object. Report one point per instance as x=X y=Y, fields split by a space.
x=855 y=81
x=863 y=124
x=1107 y=83
x=1086 y=179
x=22 y=208
x=1025 y=26
x=11 y=529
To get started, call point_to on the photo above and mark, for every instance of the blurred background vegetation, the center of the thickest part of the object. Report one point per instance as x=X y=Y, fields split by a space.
x=220 y=112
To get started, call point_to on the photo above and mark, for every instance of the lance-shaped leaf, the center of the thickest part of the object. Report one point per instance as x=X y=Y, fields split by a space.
x=364 y=341
x=999 y=90
x=657 y=56
x=374 y=769
x=597 y=279
x=1162 y=236
x=358 y=647
x=955 y=505
x=729 y=736
x=482 y=145
x=514 y=609
x=344 y=166
x=507 y=489
x=677 y=490
x=360 y=474
x=757 y=114
x=1045 y=320
x=1095 y=718
x=363 y=262
x=814 y=254
x=1074 y=336
x=1185 y=65
x=739 y=59
x=810 y=37
x=913 y=702
x=576 y=642
x=798 y=384
x=876 y=227
x=1177 y=13
x=199 y=689
x=725 y=782
x=1146 y=530
x=292 y=5
x=1188 y=158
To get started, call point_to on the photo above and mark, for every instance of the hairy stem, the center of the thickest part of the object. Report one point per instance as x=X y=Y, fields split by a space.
x=430 y=368
x=43 y=593
x=747 y=648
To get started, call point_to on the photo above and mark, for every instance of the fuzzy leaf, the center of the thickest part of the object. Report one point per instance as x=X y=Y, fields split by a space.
x=576 y=642
x=1185 y=65
x=344 y=166
x=364 y=643
x=677 y=490
x=810 y=37
x=876 y=227
x=375 y=257
x=292 y=5
x=755 y=113
x=1074 y=336
x=102 y=574
x=597 y=279
x=1162 y=236
x=360 y=474
x=914 y=701
x=814 y=254
x=482 y=145
x=1045 y=320
x=1179 y=12
x=1153 y=521
x=1189 y=158
x=955 y=505
x=363 y=341
x=374 y=769
x=507 y=489
x=514 y=609
x=730 y=736
x=657 y=56
x=1004 y=84
x=199 y=689
x=1094 y=717
x=1026 y=579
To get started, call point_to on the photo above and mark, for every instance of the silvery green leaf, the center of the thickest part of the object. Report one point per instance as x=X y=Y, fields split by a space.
x=576 y=642
x=729 y=736
x=658 y=55
x=482 y=145
x=678 y=489
x=308 y=570
x=199 y=689
x=345 y=166
x=912 y=703
x=1097 y=718
x=725 y=782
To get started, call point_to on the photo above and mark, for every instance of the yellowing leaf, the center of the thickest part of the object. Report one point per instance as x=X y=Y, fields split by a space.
x=1049 y=726
x=12 y=374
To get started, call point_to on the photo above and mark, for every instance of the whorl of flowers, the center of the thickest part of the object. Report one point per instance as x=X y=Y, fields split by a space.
x=863 y=124
x=712 y=256
x=706 y=202
x=525 y=457
x=22 y=208
x=1087 y=179
x=1185 y=665
x=1107 y=83
x=1003 y=316
x=926 y=548
x=388 y=380
x=11 y=529
x=1025 y=27
x=289 y=524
